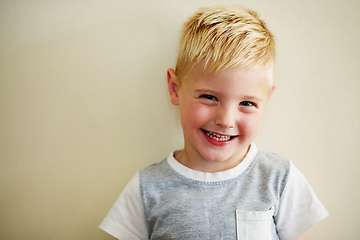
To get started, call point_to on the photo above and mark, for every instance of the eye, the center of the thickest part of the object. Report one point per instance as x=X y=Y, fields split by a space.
x=208 y=96
x=247 y=104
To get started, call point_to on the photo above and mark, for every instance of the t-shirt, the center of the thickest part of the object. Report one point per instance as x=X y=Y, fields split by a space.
x=264 y=197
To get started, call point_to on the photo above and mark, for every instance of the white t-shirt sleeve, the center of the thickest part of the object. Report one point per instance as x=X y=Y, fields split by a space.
x=299 y=208
x=126 y=219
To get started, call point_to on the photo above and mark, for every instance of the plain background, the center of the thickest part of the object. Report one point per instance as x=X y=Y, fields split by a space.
x=84 y=105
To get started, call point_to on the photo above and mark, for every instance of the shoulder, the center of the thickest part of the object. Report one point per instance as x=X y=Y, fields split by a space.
x=155 y=170
x=271 y=170
x=272 y=159
x=157 y=177
x=269 y=162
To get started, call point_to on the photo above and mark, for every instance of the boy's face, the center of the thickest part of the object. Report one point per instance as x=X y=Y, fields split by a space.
x=220 y=115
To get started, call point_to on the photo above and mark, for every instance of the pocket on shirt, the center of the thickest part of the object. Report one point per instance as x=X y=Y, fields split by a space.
x=254 y=225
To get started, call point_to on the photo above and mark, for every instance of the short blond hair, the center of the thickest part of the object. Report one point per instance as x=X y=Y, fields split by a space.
x=225 y=37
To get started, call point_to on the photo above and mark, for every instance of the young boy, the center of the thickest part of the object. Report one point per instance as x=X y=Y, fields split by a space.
x=219 y=186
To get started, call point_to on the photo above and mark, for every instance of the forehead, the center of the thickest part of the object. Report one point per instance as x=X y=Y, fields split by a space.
x=235 y=79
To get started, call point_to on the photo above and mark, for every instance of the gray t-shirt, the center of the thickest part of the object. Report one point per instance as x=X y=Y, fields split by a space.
x=264 y=197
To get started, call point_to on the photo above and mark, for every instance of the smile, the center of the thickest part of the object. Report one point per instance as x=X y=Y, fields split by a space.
x=218 y=137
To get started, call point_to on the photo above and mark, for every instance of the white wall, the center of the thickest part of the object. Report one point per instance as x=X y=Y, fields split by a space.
x=83 y=106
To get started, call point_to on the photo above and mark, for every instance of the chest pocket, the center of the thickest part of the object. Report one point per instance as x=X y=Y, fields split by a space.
x=254 y=225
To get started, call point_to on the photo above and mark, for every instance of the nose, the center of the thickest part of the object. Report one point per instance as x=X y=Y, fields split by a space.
x=225 y=117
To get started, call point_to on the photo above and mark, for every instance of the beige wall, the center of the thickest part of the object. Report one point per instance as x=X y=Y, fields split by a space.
x=83 y=106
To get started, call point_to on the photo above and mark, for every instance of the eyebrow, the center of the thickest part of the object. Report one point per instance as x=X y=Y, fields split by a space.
x=253 y=98
x=205 y=90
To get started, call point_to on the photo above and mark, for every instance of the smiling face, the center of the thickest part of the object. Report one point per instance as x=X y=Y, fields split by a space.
x=220 y=115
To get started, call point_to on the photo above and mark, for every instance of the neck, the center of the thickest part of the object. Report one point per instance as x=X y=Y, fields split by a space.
x=198 y=163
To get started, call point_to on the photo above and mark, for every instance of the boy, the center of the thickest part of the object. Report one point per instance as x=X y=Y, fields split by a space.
x=219 y=186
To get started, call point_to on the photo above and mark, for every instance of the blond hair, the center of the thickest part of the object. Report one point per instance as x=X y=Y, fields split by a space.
x=223 y=38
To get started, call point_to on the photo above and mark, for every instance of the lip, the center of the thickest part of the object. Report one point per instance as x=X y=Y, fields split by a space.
x=218 y=139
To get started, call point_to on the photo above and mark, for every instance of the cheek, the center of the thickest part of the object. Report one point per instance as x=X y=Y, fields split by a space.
x=249 y=126
x=195 y=115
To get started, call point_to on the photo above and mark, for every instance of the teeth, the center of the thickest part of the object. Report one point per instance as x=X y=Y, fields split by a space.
x=217 y=137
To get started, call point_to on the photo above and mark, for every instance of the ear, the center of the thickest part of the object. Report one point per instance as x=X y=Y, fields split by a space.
x=271 y=92
x=173 y=86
